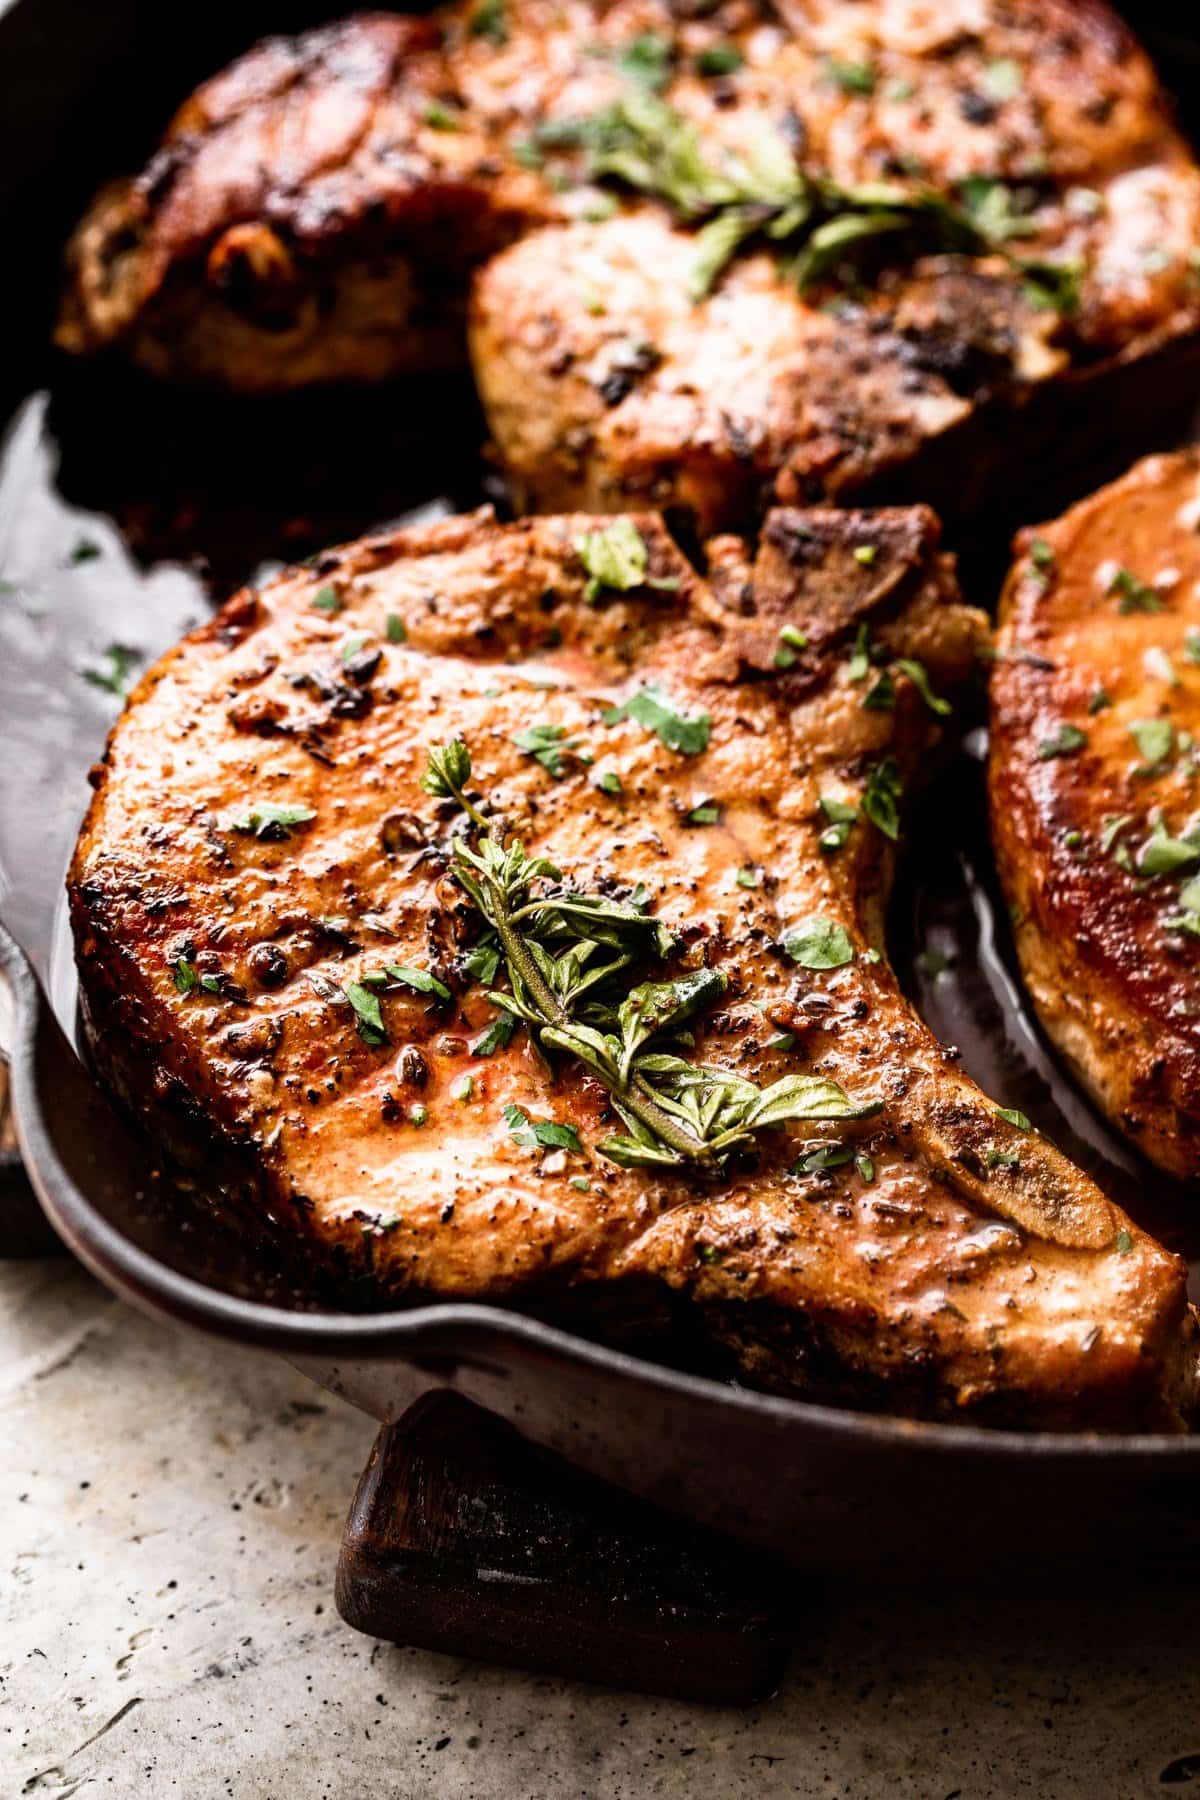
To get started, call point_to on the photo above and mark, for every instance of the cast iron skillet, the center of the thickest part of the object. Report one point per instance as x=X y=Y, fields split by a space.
x=122 y=512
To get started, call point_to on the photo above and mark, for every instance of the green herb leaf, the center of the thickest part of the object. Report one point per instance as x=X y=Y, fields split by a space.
x=114 y=675
x=647 y=59
x=707 y=813
x=441 y=118
x=818 y=943
x=395 y=629
x=489 y=21
x=541 y=1134
x=545 y=743
x=266 y=820
x=1123 y=1242
x=1155 y=738
x=185 y=975
x=615 y=557
x=496 y=1036
x=327 y=600
x=609 y=782
x=650 y=707
x=1135 y=596
x=919 y=677
x=719 y=59
x=1012 y=1115
x=748 y=878
x=882 y=796
x=1065 y=742
x=447 y=770
x=1164 y=855
x=367 y=1015
x=851 y=77
x=419 y=979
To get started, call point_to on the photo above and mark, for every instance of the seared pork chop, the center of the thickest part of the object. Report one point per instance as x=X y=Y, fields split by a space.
x=509 y=902
x=924 y=230
x=1095 y=799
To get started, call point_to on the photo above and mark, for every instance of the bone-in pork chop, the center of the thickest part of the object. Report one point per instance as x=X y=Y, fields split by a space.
x=508 y=903
x=816 y=251
x=1096 y=794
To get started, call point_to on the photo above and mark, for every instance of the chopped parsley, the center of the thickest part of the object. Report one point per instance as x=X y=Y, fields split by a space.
x=1135 y=596
x=919 y=676
x=1123 y=1242
x=327 y=600
x=881 y=797
x=440 y=117
x=841 y=818
x=707 y=813
x=1165 y=855
x=646 y=59
x=615 y=557
x=609 y=782
x=266 y=820
x=748 y=878
x=545 y=743
x=185 y=976
x=541 y=1134
x=678 y=731
x=851 y=77
x=489 y=21
x=497 y=1036
x=1012 y=1115
x=719 y=59
x=114 y=675
x=84 y=550
x=818 y=943
x=394 y=630
x=1155 y=738
x=482 y=961
x=881 y=697
x=866 y=554
x=368 y=1018
x=418 y=979
x=1065 y=742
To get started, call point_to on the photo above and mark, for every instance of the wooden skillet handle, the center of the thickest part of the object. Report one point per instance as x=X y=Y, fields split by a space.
x=465 y=1538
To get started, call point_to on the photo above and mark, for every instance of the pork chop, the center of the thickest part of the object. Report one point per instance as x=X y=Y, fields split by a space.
x=1095 y=716
x=508 y=900
x=846 y=248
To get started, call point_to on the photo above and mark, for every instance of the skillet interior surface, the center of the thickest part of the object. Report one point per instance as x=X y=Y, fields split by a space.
x=124 y=513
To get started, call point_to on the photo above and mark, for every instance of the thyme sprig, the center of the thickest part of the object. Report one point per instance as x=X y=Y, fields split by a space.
x=565 y=954
x=641 y=142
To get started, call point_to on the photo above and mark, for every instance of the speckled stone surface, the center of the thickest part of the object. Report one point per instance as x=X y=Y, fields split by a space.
x=169 y=1519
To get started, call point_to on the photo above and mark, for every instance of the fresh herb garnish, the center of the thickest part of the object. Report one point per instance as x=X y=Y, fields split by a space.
x=818 y=943
x=851 y=77
x=1064 y=742
x=1012 y=1115
x=489 y=21
x=881 y=696
x=395 y=630
x=882 y=796
x=84 y=550
x=327 y=600
x=748 y=878
x=266 y=820
x=707 y=813
x=420 y=980
x=497 y=1036
x=1155 y=738
x=919 y=676
x=646 y=59
x=841 y=818
x=185 y=976
x=569 y=958
x=688 y=734
x=546 y=744
x=114 y=675
x=615 y=556
x=367 y=1014
x=541 y=1134
x=719 y=59
x=609 y=782
x=1135 y=596
x=1123 y=1242
x=440 y=117
x=1162 y=854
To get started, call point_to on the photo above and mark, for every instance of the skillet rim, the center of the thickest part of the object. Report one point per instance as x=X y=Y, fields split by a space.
x=471 y=1328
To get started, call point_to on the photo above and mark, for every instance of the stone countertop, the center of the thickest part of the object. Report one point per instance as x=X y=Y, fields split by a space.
x=170 y=1511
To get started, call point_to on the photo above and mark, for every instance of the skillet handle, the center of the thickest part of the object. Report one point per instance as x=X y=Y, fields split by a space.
x=466 y=1539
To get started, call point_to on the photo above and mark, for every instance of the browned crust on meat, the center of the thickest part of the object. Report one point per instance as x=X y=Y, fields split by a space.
x=970 y=1271
x=305 y=221
x=1114 y=983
